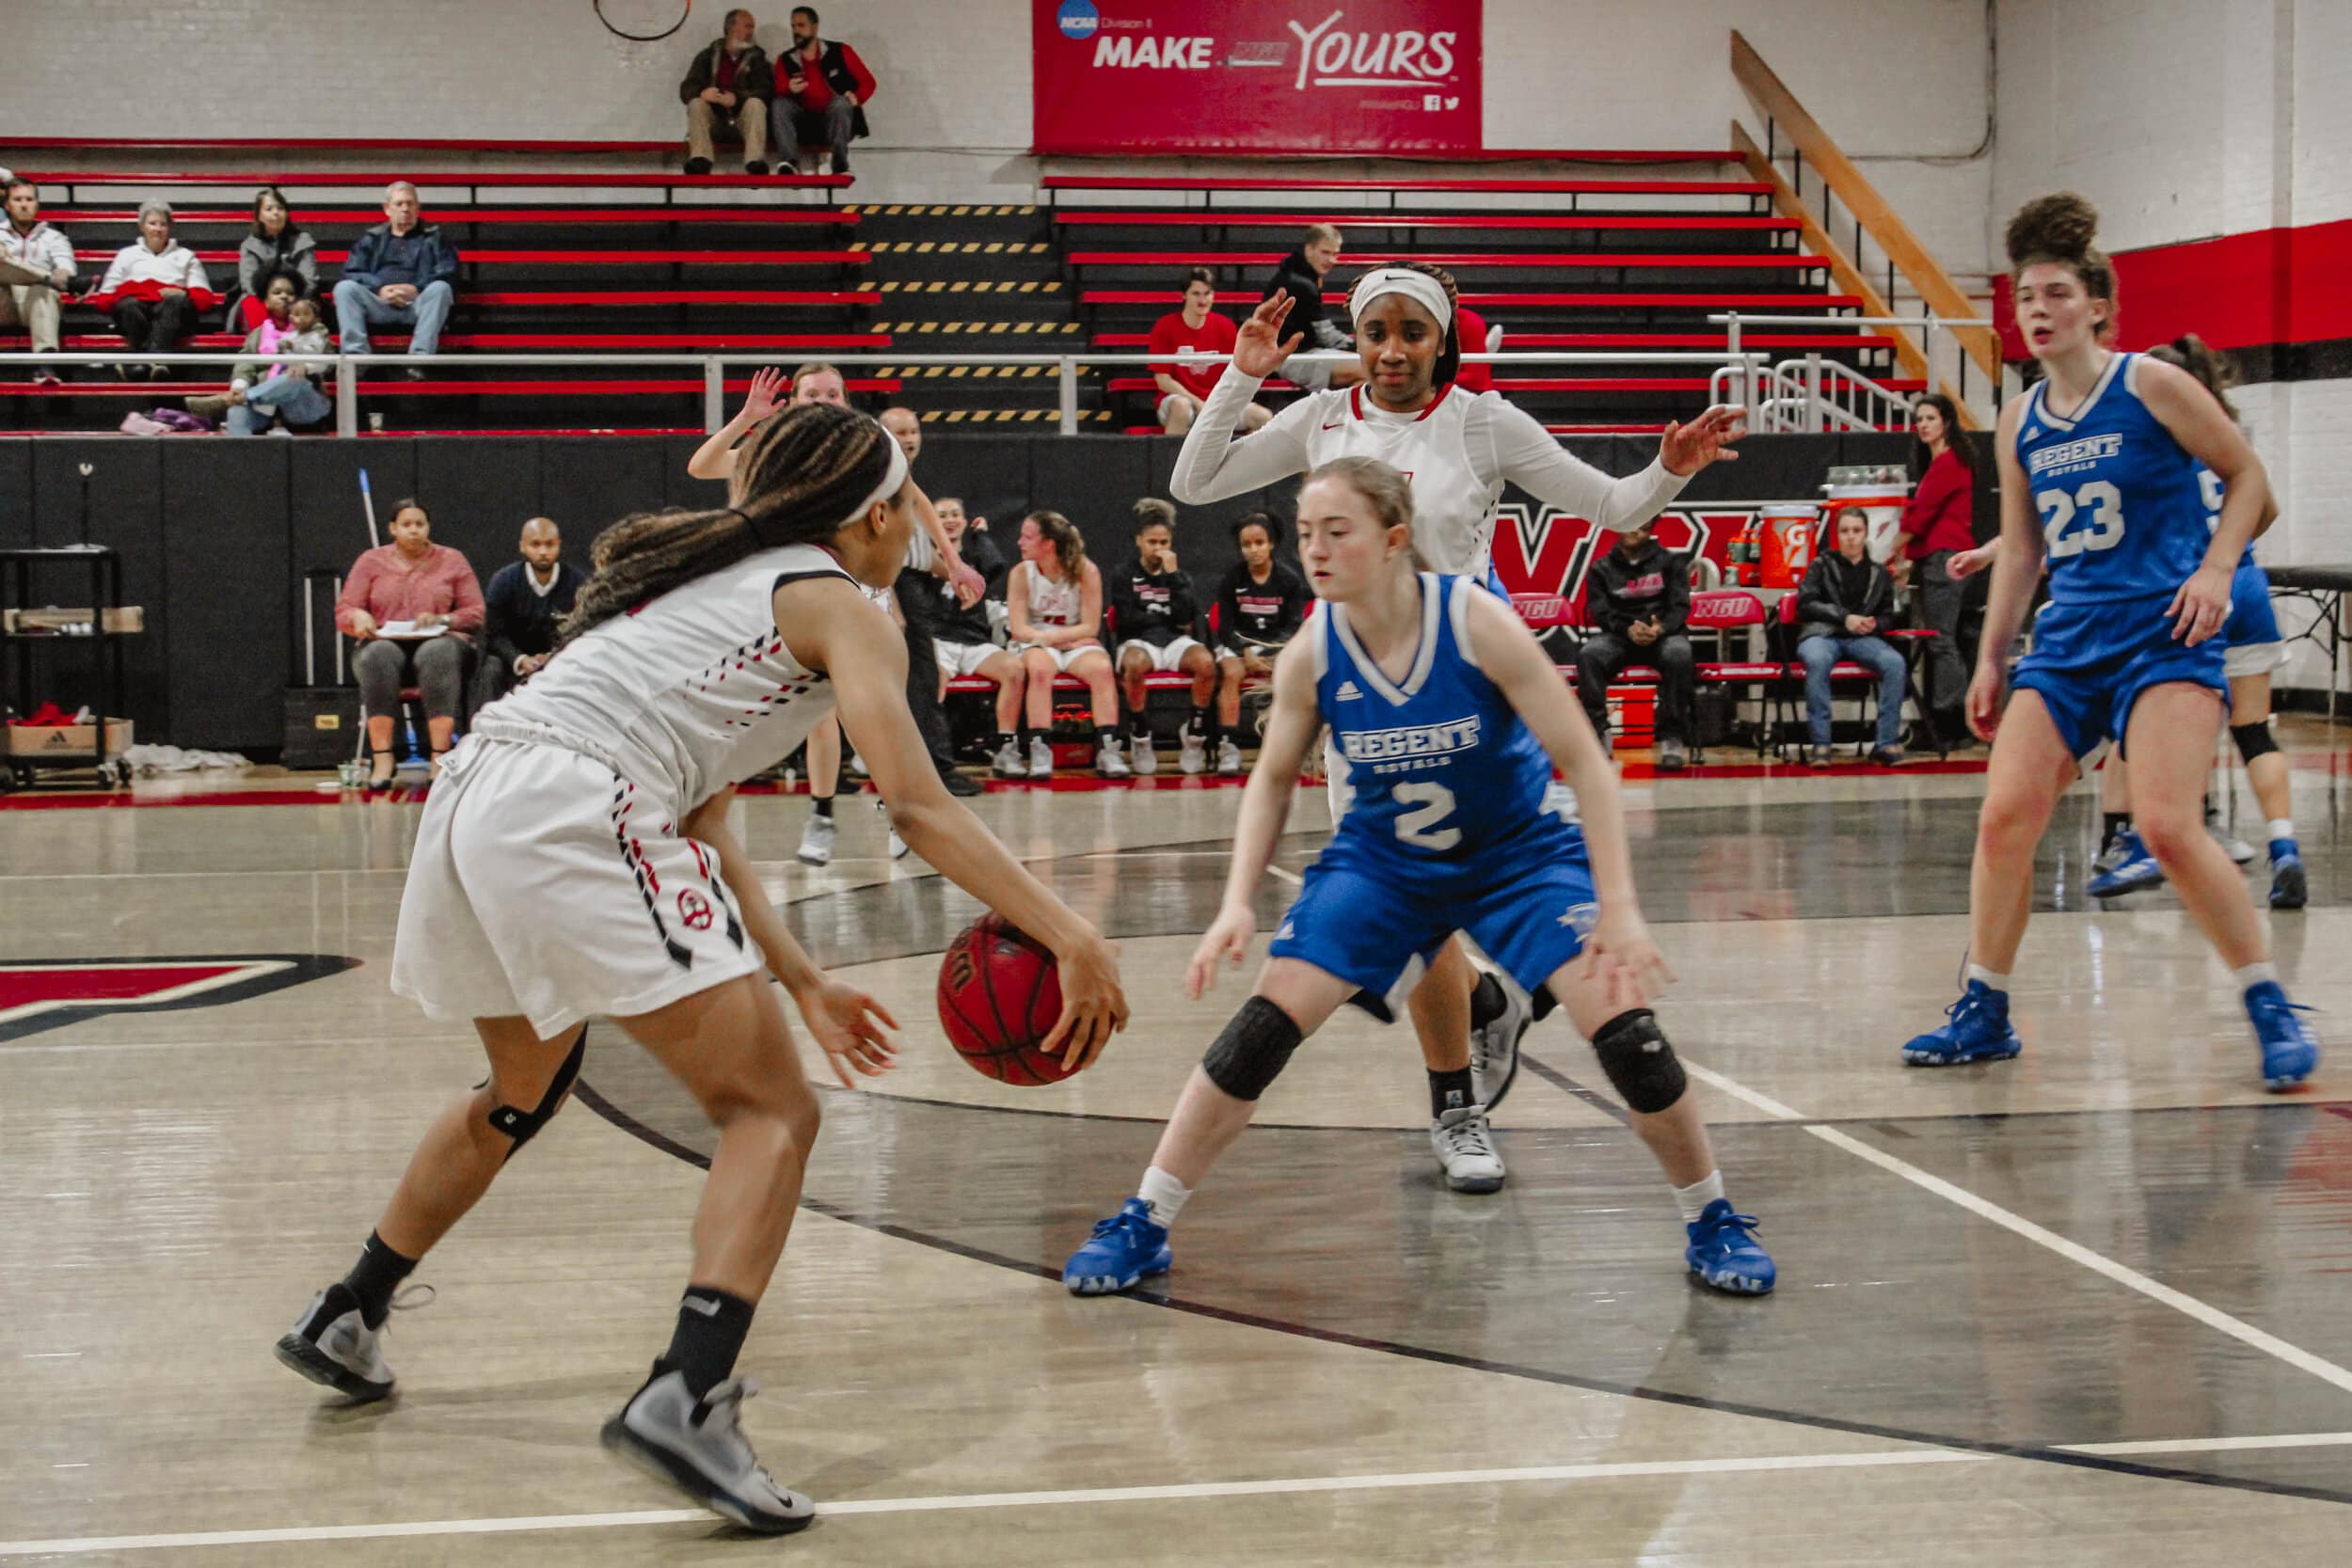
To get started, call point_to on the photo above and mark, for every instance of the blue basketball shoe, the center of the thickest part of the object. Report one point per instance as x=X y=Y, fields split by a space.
x=2290 y=884
x=1977 y=1029
x=1122 y=1250
x=2290 y=1050
x=2133 y=869
x=1725 y=1255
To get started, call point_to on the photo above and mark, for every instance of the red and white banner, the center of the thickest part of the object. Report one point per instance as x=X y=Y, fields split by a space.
x=1270 y=76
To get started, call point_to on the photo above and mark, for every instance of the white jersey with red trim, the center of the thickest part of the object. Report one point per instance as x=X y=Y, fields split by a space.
x=1458 y=453
x=687 y=694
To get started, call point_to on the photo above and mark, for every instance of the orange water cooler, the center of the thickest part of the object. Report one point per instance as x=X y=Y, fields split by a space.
x=1787 y=534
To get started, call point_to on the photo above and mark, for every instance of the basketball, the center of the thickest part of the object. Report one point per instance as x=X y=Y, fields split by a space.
x=999 y=994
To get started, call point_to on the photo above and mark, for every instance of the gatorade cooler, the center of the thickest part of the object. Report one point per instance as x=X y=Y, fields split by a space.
x=1881 y=503
x=1786 y=538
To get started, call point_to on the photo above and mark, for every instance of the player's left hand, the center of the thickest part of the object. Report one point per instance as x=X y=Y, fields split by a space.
x=1227 y=938
x=968 y=583
x=847 y=1023
x=1685 y=449
x=2202 y=605
x=1626 y=961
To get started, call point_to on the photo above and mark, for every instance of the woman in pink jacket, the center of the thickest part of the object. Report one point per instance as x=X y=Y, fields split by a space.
x=414 y=607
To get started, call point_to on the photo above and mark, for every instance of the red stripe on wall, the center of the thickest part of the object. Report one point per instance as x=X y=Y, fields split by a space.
x=2275 y=286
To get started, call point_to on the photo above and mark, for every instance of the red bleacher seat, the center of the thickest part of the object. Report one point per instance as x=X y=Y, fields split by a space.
x=1475 y=300
x=1504 y=186
x=549 y=342
x=1224 y=217
x=852 y=299
x=1461 y=259
x=496 y=179
x=610 y=258
x=461 y=213
x=342 y=144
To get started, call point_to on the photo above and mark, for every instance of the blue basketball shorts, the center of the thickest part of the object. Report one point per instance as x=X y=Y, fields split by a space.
x=1377 y=918
x=2090 y=662
x=2252 y=628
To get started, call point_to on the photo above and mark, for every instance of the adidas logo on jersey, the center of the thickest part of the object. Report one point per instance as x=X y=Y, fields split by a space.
x=1346 y=693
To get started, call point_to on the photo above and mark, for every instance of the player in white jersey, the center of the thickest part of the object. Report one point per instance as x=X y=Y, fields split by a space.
x=574 y=859
x=1457 y=449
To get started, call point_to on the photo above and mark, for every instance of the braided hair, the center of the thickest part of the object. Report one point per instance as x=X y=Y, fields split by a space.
x=795 y=481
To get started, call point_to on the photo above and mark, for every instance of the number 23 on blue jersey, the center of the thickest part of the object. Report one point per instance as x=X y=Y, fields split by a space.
x=2089 y=519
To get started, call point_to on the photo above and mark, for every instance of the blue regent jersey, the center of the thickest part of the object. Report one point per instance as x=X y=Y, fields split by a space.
x=1439 y=765
x=2209 y=493
x=2123 y=517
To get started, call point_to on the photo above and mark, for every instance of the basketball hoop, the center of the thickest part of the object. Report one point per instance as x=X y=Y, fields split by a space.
x=624 y=7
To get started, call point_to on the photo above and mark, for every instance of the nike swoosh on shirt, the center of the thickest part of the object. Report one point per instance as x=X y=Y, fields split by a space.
x=1335 y=426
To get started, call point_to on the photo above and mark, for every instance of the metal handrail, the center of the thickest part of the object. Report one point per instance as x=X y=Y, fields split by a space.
x=1928 y=324
x=714 y=367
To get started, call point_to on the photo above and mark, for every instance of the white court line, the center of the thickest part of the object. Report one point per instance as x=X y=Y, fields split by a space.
x=1291 y=877
x=1180 y=1492
x=2099 y=1263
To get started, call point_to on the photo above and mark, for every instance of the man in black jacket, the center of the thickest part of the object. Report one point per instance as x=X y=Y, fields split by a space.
x=1638 y=597
x=1300 y=275
x=525 y=602
x=728 y=84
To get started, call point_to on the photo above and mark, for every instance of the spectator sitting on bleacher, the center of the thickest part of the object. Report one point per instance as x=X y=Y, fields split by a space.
x=262 y=390
x=276 y=244
x=821 y=92
x=1195 y=329
x=521 y=608
x=1301 y=275
x=1261 y=604
x=153 y=290
x=727 y=85
x=1638 y=597
x=429 y=594
x=1839 y=604
x=1157 y=622
x=401 y=272
x=964 y=640
x=35 y=268
x=1053 y=614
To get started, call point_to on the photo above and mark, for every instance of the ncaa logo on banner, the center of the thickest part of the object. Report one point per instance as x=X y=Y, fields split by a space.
x=1078 y=19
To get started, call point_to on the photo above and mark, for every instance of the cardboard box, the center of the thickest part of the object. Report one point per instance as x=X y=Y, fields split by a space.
x=66 y=740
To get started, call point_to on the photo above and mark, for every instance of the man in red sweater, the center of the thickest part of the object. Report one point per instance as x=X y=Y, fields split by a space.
x=1194 y=329
x=821 y=92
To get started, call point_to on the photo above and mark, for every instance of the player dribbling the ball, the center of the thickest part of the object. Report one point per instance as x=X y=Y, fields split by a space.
x=574 y=859
x=1452 y=718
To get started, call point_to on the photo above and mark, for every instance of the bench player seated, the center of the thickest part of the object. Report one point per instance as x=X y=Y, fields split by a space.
x=1153 y=607
x=1452 y=718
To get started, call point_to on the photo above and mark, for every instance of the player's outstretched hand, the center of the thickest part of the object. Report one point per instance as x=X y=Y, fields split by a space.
x=1983 y=705
x=848 y=1024
x=1093 y=1005
x=761 y=400
x=1228 y=939
x=1685 y=449
x=1260 y=348
x=1626 y=960
x=1967 y=563
x=2202 y=605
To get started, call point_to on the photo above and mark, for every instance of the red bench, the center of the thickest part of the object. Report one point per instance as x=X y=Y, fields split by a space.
x=1213 y=186
x=534 y=342
x=476 y=179
x=610 y=258
x=1463 y=260
x=1249 y=218
x=1693 y=301
x=360 y=144
x=396 y=388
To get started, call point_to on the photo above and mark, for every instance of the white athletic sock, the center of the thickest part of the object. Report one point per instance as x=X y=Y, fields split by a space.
x=1992 y=981
x=1164 y=1193
x=1693 y=1200
x=2282 y=827
x=2254 y=974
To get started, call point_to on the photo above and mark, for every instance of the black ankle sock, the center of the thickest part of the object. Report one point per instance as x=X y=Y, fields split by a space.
x=1202 y=725
x=374 y=1278
x=1104 y=736
x=1487 y=1001
x=822 y=804
x=710 y=1329
x=1141 y=735
x=1006 y=738
x=1024 y=735
x=1449 y=1091
x=1544 y=1003
x=2111 y=824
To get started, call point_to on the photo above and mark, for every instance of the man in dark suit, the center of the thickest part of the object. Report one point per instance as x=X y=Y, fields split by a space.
x=525 y=603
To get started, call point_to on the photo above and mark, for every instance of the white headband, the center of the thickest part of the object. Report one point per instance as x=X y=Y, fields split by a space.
x=1419 y=286
x=892 y=480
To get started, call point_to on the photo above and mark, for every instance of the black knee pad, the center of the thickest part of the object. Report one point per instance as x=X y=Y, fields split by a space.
x=523 y=1126
x=1252 y=1052
x=2253 y=741
x=1640 y=1064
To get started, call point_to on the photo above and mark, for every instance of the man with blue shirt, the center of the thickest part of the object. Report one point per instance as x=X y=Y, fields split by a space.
x=401 y=272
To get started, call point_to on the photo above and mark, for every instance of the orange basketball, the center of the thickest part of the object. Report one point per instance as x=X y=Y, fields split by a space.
x=999 y=995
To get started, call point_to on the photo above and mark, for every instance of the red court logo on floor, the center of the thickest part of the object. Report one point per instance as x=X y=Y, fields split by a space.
x=51 y=993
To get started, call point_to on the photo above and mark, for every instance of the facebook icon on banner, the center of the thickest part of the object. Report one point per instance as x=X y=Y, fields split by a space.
x=1078 y=19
